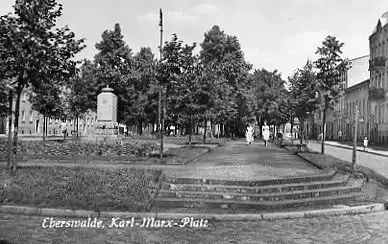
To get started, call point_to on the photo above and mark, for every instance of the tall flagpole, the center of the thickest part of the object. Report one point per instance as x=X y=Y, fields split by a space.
x=161 y=120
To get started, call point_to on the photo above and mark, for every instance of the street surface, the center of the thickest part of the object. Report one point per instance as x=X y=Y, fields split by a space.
x=372 y=161
x=364 y=228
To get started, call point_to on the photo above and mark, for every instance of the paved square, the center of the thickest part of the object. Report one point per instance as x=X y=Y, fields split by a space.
x=239 y=161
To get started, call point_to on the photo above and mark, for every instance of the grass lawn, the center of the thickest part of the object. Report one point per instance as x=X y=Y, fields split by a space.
x=78 y=188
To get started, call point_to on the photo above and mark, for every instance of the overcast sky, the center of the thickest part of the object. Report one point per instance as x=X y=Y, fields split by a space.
x=274 y=34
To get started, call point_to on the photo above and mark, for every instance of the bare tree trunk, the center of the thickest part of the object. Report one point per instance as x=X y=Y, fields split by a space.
x=16 y=128
x=10 y=115
x=292 y=127
x=190 y=129
x=324 y=131
x=44 y=129
x=301 y=129
x=205 y=131
x=140 y=127
x=77 y=126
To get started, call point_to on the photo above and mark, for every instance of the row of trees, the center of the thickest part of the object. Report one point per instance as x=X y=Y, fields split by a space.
x=35 y=54
x=317 y=86
x=217 y=85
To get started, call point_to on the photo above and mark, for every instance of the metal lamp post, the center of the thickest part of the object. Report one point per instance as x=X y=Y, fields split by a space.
x=357 y=113
x=160 y=117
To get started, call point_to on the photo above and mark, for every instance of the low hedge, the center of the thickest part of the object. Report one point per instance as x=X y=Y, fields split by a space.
x=36 y=150
x=181 y=140
x=79 y=188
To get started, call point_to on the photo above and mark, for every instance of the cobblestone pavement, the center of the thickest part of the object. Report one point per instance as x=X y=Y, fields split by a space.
x=365 y=228
x=375 y=162
x=239 y=161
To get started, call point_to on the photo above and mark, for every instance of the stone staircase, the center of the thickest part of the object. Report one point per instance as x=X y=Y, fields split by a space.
x=317 y=191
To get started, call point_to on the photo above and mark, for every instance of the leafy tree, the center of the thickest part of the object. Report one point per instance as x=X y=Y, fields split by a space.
x=33 y=51
x=143 y=109
x=115 y=64
x=3 y=99
x=270 y=92
x=330 y=65
x=187 y=88
x=303 y=91
x=47 y=101
x=82 y=92
x=227 y=72
x=178 y=73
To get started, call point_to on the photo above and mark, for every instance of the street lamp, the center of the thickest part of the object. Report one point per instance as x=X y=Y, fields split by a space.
x=356 y=120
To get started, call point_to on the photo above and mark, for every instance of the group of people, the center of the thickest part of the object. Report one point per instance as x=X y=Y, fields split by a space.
x=250 y=132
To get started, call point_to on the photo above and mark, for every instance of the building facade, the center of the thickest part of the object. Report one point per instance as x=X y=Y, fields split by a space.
x=357 y=96
x=378 y=68
x=339 y=118
x=31 y=122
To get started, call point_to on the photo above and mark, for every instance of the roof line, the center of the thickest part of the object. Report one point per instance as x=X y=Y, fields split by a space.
x=357 y=85
x=359 y=57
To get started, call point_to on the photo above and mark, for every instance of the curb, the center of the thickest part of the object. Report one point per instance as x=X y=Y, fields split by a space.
x=196 y=157
x=359 y=150
x=371 y=208
x=206 y=150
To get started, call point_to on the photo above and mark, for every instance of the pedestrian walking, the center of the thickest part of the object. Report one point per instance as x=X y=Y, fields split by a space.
x=340 y=135
x=63 y=129
x=366 y=144
x=249 y=134
x=265 y=132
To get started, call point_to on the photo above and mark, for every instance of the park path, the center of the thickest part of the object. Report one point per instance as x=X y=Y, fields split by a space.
x=234 y=161
x=376 y=162
x=238 y=161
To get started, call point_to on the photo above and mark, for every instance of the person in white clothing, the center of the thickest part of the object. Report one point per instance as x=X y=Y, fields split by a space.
x=265 y=132
x=249 y=134
x=365 y=143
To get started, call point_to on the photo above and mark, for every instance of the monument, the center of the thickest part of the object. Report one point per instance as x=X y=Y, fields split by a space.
x=106 y=126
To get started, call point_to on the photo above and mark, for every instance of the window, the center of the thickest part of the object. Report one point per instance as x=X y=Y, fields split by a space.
x=31 y=118
x=363 y=107
x=24 y=96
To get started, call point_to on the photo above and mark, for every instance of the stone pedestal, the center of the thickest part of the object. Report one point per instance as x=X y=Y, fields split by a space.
x=106 y=131
x=106 y=127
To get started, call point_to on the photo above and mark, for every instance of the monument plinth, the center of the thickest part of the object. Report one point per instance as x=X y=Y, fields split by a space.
x=106 y=126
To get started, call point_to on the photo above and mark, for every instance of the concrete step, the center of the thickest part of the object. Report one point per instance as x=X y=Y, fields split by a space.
x=162 y=204
x=279 y=196
x=325 y=176
x=337 y=181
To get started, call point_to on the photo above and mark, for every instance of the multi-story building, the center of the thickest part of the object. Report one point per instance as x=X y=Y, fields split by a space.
x=357 y=96
x=378 y=67
x=337 y=119
x=31 y=122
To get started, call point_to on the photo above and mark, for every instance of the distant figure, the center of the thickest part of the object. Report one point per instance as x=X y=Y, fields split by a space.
x=340 y=135
x=366 y=144
x=63 y=129
x=320 y=137
x=266 y=133
x=249 y=134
